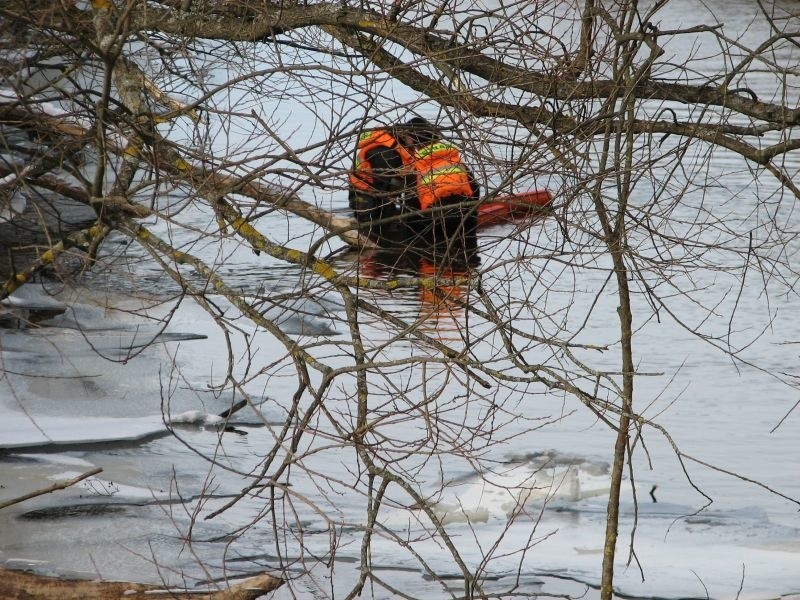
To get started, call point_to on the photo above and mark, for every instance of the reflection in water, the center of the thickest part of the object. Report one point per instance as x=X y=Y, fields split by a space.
x=441 y=297
x=443 y=304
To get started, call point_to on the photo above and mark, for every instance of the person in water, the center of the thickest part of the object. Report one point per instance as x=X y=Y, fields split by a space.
x=382 y=172
x=445 y=192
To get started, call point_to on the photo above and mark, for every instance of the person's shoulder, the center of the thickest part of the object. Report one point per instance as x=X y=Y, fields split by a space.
x=381 y=151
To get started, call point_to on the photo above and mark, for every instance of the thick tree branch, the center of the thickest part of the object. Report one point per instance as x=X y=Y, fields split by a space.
x=265 y=20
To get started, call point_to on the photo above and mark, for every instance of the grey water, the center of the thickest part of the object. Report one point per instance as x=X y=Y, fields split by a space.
x=124 y=373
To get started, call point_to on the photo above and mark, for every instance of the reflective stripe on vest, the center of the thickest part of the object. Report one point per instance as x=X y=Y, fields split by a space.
x=432 y=175
x=439 y=147
x=440 y=174
x=361 y=177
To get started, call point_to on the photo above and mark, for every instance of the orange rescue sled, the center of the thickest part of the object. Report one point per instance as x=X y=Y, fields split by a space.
x=513 y=207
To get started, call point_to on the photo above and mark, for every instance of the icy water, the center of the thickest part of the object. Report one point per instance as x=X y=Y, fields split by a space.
x=105 y=383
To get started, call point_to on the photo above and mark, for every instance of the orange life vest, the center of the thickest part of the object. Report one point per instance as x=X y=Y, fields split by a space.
x=361 y=176
x=440 y=173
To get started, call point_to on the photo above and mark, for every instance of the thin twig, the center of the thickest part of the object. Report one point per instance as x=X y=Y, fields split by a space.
x=52 y=488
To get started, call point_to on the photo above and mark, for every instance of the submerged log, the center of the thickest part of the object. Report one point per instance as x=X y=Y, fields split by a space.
x=19 y=585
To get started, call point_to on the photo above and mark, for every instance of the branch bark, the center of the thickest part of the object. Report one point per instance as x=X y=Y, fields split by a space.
x=17 y=585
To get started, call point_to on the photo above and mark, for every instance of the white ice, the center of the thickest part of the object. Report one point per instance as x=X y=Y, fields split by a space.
x=18 y=430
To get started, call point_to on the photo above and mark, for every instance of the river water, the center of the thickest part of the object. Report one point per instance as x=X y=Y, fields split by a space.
x=111 y=383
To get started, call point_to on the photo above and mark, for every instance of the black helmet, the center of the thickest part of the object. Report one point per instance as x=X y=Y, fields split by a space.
x=418 y=122
x=421 y=130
